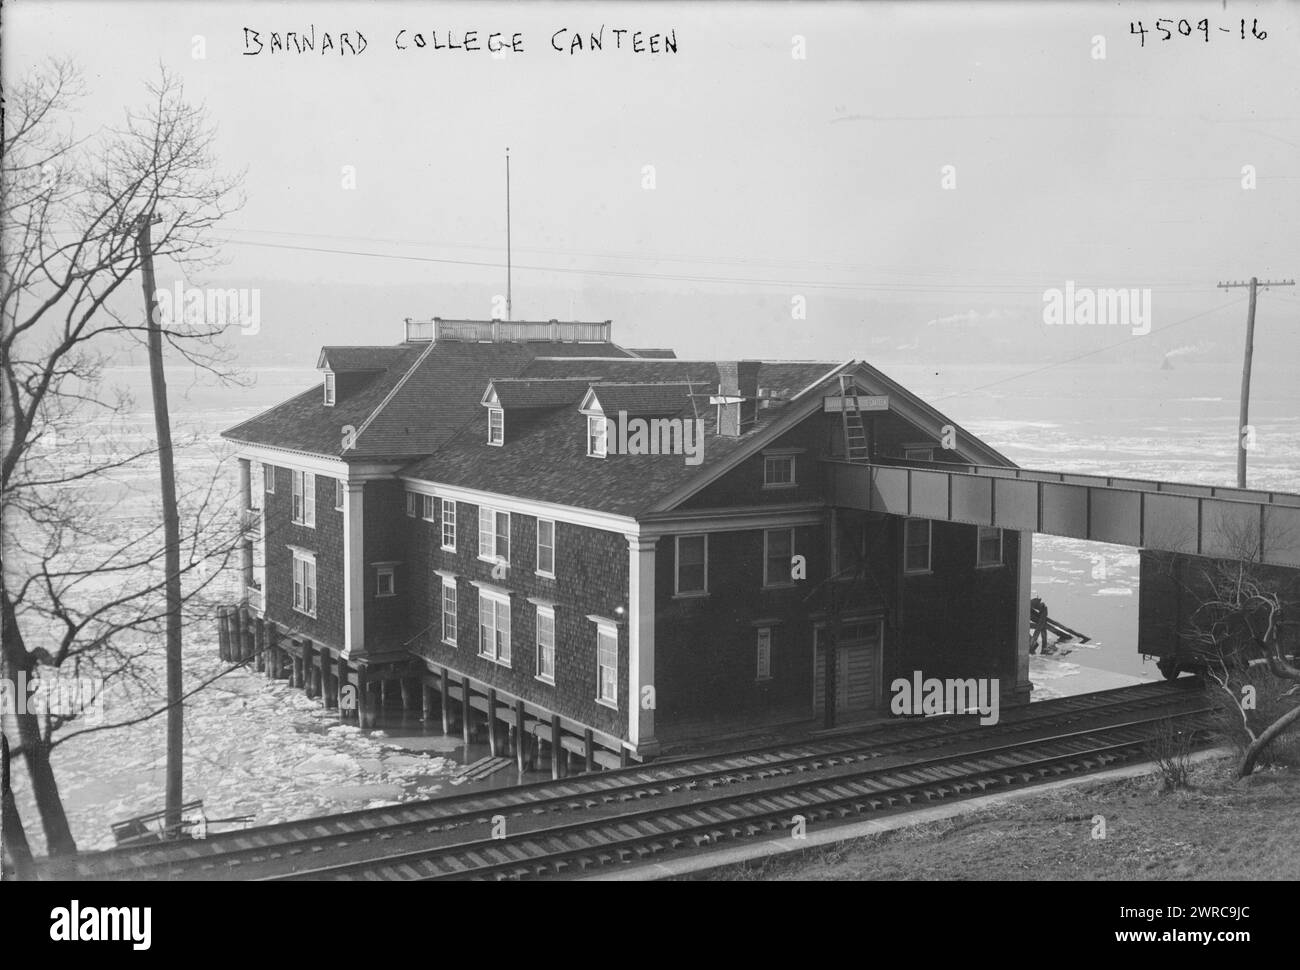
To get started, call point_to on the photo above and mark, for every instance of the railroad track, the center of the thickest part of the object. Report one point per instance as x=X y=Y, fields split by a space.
x=246 y=854
x=545 y=847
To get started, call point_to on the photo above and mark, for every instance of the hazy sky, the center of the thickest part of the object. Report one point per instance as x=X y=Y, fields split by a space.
x=1122 y=170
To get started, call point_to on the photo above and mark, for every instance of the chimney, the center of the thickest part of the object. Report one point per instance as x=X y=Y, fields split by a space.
x=737 y=398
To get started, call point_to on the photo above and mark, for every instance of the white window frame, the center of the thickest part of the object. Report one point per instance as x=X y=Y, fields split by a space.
x=545 y=615
x=486 y=511
x=608 y=631
x=603 y=437
x=929 y=548
x=448 y=519
x=340 y=490
x=268 y=479
x=910 y=452
x=785 y=580
x=330 y=391
x=496 y=427
x=548 y=573
x=980 y=533
x=380 y=573
x=677 y=565
x=428 y=509
x=499 y=602
x=449 y=586
x=304 y=581
x=768 y=461
x=763 y=654
x=304 y=498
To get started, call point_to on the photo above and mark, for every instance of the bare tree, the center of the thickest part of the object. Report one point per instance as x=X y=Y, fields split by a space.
x=77 y=589
x=1237 y=632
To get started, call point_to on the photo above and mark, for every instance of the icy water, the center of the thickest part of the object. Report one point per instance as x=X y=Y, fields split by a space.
x=260 y=749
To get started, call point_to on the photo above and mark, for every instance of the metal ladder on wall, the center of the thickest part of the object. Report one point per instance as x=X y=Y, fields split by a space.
x=855 y=434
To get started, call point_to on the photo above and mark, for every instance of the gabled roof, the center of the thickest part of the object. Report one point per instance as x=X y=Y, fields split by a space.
x=427 y=392
x=344 y=360
x=647 y=399
x=546 y=459
x=522 y=393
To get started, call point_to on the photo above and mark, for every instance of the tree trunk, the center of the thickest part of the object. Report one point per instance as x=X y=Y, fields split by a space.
x=36 y=754
x=13 y=840
x=1256 y=747
x=171 y=536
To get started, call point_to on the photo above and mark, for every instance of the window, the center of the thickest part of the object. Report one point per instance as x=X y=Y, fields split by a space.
x=989 y=549
x=449 y=525
x=426 y=508
x=449 y=610
x=596 y=436
x=385 y=583
x=918 y=453
x=338 y=494
x=329 y=388
x=692 y=564
x=916 y=542
x=304 y=499
x=496 y=426
x=546 y=644
x=778 y=471
x=268 y=478
x=607 y=665
x=763 y=663
x=412 y=504
x=494 y=626
x=304 y=582
x=546 y=547
x=778 y=547
x=493 y=535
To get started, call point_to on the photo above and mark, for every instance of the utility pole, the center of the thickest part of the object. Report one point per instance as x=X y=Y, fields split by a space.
x=171 y=527
x=507 y=232
x=1244 y=420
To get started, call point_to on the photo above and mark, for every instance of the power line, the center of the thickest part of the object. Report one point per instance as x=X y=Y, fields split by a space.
x=1089 y=353
x=919 y=286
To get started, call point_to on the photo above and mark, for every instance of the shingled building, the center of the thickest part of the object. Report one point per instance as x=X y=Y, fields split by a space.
x=613 y=549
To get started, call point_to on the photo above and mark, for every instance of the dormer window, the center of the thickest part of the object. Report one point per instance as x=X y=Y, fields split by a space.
x=496 y=426
x=596 y=436
x=329 y=388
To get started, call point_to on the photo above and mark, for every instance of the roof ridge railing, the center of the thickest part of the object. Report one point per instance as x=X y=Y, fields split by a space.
x=508 y=331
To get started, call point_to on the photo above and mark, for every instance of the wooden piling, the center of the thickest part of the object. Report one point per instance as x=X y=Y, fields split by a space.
x=426 y=701
x=466 y=711
x=329 y=689
x=259 y=645
x=342 y=681
x=444 y=689
x=308 y=669
x=245 y=634
x=556 y=747
x=492 y=722
x=363 y=697
x=589 y=740
x=623 y=758
x=404 y=685
x=520 y=740
x=223 y=632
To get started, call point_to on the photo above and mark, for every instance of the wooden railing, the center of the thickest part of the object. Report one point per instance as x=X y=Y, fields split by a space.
x=507 y=331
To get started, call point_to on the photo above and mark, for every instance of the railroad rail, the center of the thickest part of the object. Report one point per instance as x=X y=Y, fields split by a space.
x=355 y=837
x=539 y=848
